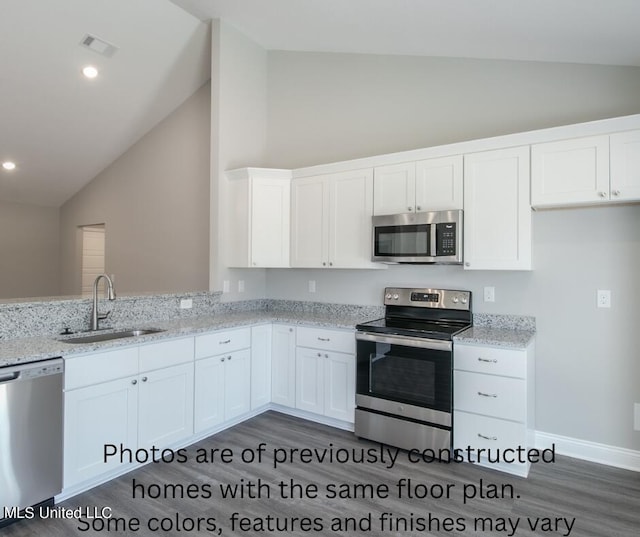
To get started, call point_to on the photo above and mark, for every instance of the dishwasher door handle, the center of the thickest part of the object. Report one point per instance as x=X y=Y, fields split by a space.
x=9 y=377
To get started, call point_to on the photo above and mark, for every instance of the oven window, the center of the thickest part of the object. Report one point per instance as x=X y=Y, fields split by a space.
x=399 y=241
x=405 y=374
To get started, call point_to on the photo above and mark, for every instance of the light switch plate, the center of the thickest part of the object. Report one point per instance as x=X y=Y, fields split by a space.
x=186 y=303
x=225 y=286
x=240 y=286
x=312 y=286
x=636 y=417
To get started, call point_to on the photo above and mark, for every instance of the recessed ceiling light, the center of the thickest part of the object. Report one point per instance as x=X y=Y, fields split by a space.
x=8 y=165
x=90 y=71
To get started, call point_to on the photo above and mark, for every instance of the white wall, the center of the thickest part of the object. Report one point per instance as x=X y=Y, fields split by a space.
x=29 y=250
x=238 y=139
x=153 y=201
x=329 y=107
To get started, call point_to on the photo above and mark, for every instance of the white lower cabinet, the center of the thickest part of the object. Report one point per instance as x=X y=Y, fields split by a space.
x=222 y=380
x=325 y=375
x=110 y=399
x=283 y=365
x=494 y=402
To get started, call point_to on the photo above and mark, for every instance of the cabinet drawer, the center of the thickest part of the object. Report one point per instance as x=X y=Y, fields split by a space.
x=166 y=353
x=100 y=367
x=330 y=340
x=222 y=342
x=500 y=397
x=490 y=360
x=484 y=432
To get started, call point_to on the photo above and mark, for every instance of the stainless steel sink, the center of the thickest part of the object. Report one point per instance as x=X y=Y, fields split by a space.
x=119 y=334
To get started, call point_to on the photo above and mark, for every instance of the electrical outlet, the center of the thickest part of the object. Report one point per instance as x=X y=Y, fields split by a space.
x=186 y=303
x=226 y=287
x=312 y=286
x=240 y=286
x=636 y=417
x=489 y=294
x=604 y=298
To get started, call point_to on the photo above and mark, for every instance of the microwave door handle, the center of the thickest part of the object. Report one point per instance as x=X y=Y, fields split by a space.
x=432 y=245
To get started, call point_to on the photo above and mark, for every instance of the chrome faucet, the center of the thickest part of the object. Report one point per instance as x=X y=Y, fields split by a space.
x=111 y=295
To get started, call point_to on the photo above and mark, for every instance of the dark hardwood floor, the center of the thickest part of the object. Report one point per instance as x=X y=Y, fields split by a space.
x=569 y=497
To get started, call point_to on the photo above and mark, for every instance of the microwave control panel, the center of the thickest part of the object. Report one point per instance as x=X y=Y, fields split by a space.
x=446 y=239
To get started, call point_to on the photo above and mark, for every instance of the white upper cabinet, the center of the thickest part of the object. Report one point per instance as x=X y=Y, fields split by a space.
x=570 y=172
x=497 y=214
x=331 y=220
x=427 y=185
x=625 y=166
x=259 y=217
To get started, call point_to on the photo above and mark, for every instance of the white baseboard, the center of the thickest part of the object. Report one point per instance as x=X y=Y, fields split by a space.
x=628 y=459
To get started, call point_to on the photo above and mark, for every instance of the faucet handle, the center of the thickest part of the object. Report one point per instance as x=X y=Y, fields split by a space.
x=103 y=316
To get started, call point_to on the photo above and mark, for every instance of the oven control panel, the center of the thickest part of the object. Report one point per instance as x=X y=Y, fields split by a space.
x=428 y=298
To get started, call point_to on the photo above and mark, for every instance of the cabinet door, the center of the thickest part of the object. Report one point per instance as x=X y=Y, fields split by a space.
x=394 y=189
x=350 y=211
x=497 y=219
x=260 y=365
x=237 y=384
x=283 y=365
x=439 y=184
x=570 y=172
x=270 y=207
x=309 y=380
x=309 y=246
x=209 y=393
x=165 y=406
x=339 y=386
x=102 y=414
x=625 y=166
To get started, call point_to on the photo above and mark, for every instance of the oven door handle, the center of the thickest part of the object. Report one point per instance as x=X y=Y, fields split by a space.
x=407 y=341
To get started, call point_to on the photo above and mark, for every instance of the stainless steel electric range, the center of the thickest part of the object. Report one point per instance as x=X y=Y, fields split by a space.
x=404 y=371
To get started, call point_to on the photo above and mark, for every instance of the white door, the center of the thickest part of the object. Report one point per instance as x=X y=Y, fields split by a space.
x=270 y=201
x=283 y=365
x=625 y=166
x=309 y=222
x=260 y=365
x=339 y=386
x=102 y=414
x=570 y=172
x=439 y=184
x=350 y=211
x=309 y=380
x=93 y=244
x=209 y=393
x=497 y=223
x=165 y=406
x=394 y=189
x=237 y=384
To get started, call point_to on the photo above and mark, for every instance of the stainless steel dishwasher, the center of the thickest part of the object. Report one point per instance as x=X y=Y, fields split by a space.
x=31 y=433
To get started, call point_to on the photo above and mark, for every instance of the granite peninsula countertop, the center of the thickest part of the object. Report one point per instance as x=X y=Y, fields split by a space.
x=31 y=349
x=498 y=337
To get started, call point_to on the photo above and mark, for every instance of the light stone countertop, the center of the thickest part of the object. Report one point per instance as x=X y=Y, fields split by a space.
x=498 y=337
x=31 y=349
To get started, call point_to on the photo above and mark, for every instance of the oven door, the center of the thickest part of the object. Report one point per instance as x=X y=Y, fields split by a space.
x=405 y=376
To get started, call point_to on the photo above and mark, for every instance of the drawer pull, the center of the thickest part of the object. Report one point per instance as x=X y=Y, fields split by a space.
x=487 y=437
x=225 y=342
x=323 y=339
x=482 y=394
x=491 y=361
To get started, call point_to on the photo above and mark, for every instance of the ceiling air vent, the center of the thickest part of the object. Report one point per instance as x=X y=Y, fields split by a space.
x=98 y=45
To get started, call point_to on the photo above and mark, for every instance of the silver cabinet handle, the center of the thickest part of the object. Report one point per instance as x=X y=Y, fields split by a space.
x=290 y=329
x=319 y=355
x=616 y=192
x=326 y=356
x=222 y=359
x=418 y=208
x=324 y=263
x=229 y=357
x=134 y=382
x=602 y=194
x=323 y=338
x=144 y=379
x=493 y=361
x=488 y=437
x=467 y=264
x=487 y=394
x=410 y=208
x=224 y=342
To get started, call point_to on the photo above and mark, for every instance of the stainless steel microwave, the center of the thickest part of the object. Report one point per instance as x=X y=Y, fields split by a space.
x=432 y=237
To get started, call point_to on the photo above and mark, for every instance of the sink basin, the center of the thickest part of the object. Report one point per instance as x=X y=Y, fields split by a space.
x=119 y=334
